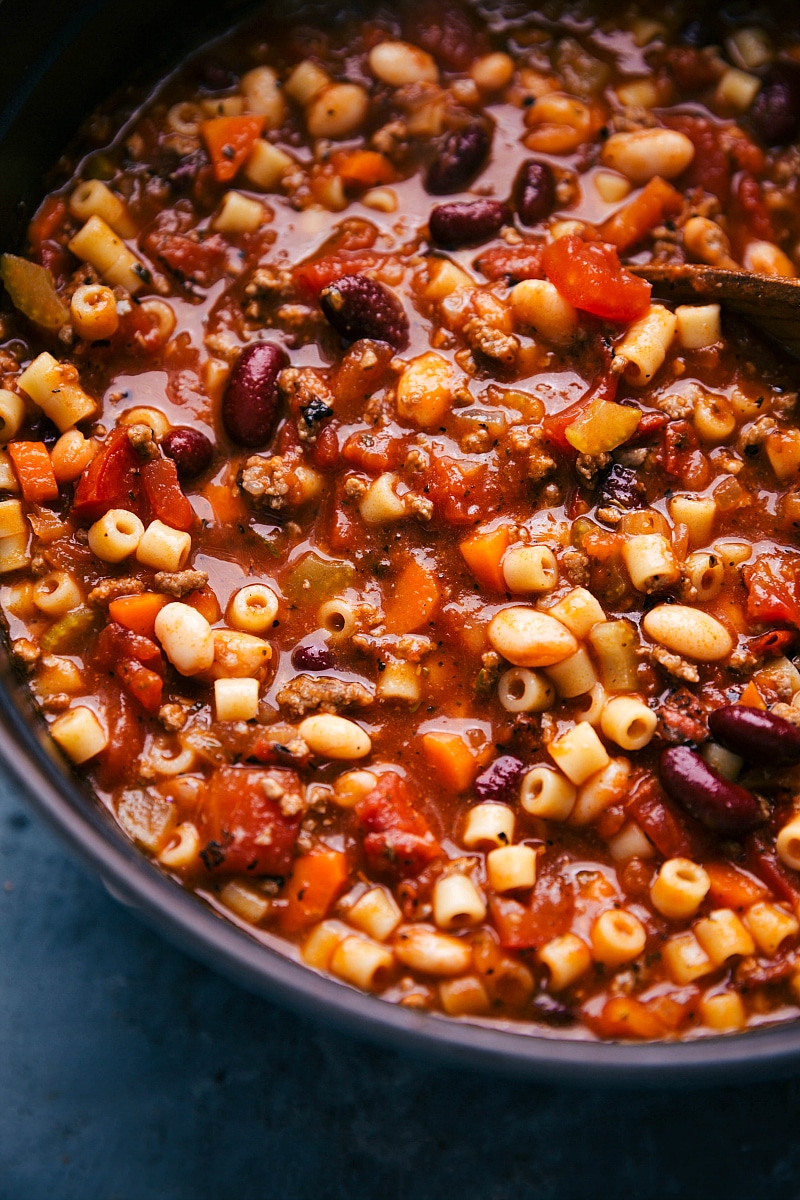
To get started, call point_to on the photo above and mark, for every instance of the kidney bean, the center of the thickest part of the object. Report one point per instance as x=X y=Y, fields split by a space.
x=461 y=155
x=499 y=781
x=360 y=307
x=453 y=225
x=250 y=403
x=552 y=1011
x=697 y=32
x=759 y=736
x=535 y=192
x=621 y=486
x=775 y=112
x=313 y=657
x=715 y=802
x=189 y=449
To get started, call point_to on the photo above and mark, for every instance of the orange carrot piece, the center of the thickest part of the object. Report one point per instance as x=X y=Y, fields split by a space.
x=364 y=168
x=206 y=603
x=628 y=226
x=451 y=759
x=413 y=599
x=483 y=553
x=229 y=141
x=316 y=881
x=733 y=888
x=626 y=1017
x=34 y=471
x=752 y=697
x=138 y=613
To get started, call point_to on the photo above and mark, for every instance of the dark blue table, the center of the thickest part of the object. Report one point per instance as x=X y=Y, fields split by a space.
x=128 y=1072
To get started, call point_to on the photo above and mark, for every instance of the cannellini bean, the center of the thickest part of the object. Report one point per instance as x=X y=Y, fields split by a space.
x=335 y=737
x=765 y=258
x=705 y=241
x=528 y=638
x=398 y=63
x=689 y=632
x=337 y=111
x=493 y=71
x=644 y=153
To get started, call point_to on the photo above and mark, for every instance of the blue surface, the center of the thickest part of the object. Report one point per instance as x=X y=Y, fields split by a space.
x=128 y=1072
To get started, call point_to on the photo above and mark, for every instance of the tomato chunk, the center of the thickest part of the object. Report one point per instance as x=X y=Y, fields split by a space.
x=590 y=276
x=398 y=841
x=112 y=480
x=250 y=819
x=773 y=589
x=548 y=915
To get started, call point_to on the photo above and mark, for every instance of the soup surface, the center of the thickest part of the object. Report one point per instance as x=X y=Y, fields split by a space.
x=408 y=577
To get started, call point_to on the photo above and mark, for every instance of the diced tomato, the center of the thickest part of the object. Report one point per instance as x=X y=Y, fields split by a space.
x=373 y=452
x=555 y=425
x=711 y=167
x=548 y=914
x=188 y=257
x=341 y=519
x=117 y=478
x=229 y=141
x=513 y=263
x=325 y=454
x=312 y=277
x=666 y=828
x=144 y=685
x=115 y=642
x=693 y=69
x=444 y=30
x=763 y=861
x=773 y=589
x=119 y=762
x=461 y=492
x=167 y=502
x=112 y=480
x=398 y=841
x=750 y=200
x=244 y=822
x=773 y=644
x=650 y=424
x=626 y=1017
x=48 y=221
x=590 y=276
x=681 y=455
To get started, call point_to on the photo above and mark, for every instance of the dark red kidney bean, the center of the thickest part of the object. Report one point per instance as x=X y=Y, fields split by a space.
x=759 y=736
x=535 y=192
x=715 y=802
x=499 y=781
x=621 y=486
x=553 y=1012
x=189 y=449
x=461 y=155
x=313 y=657
x=360 y=307
x=250 y=403
x=775 y=112
x=467 y=224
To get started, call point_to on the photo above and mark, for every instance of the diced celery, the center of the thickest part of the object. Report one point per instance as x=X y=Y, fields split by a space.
x=69 y=634
x=315 y=579
x=33 y=292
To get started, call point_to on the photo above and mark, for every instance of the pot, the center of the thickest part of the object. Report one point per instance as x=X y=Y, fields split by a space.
x=55 y=70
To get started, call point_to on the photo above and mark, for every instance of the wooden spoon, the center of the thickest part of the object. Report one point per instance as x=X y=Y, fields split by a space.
x=769 y=302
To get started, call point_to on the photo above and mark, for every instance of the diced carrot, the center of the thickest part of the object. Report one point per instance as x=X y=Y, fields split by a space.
x=364 y=169
x=206 y=603
x=752 y=697
x=451 y=758
x=733 y=888
x=483 y=552
x=226 y=502
x=229 y=141
x=628 y=226
x=317 y=879
x=413 y=599
x=626 y=1017
x=34 y=471
x=138 y=613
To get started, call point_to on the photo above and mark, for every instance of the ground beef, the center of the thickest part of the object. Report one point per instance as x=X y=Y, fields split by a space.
x=305 y=694
x=682 y=718
x=179 y=583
